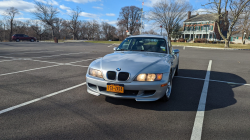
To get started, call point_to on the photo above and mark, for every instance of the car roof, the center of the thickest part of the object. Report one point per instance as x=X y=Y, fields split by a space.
x=148 y=35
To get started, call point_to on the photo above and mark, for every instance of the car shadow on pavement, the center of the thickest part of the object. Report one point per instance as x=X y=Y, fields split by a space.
x=186 y=94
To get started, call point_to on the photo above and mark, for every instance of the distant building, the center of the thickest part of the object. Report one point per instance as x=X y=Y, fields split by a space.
x=237 y=38
x=202 y=26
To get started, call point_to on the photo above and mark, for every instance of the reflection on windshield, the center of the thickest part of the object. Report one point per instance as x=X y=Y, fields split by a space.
x=143 y=44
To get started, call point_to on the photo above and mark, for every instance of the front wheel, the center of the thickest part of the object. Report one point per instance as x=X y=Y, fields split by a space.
x=176 y=70
x=166 y=97
x=17 y=40
x=32 y=40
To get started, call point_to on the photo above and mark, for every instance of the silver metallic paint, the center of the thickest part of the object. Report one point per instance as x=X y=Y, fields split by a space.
x=134 y=62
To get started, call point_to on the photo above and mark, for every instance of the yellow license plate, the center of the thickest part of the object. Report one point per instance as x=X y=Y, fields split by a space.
x=115 y=88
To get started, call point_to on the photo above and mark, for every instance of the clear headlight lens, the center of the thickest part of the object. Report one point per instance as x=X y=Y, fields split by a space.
x=95 y=73
x=149 y=77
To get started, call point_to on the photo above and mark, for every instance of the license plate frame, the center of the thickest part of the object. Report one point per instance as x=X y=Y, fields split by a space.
x=116 y=88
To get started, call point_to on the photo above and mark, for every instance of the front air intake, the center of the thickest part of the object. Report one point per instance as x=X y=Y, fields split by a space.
x=123 y=76
x=111 y=75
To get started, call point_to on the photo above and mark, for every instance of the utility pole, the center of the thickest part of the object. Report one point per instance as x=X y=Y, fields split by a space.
x=161 y=29
x=141 y=16
x=4 y=31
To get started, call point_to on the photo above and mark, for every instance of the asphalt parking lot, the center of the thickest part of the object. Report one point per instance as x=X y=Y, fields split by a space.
x=43 y=96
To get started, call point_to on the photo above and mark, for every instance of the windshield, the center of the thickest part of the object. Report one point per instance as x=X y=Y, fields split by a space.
x=143 y=44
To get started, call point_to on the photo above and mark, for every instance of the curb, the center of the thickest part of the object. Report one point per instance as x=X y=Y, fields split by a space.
x=210 y=48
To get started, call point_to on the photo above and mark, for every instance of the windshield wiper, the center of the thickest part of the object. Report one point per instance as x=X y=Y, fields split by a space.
x=122 y=50
x=137 y=50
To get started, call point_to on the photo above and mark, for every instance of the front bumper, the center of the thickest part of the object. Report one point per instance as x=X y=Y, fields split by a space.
x=140 y=91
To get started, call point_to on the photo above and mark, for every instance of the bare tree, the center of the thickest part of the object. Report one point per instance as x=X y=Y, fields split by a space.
x=93 y=30
x=10 y=15
x=109 y=31
x=74 y=24
x=176 y=32
x=121 y=32
x=39 y=28
x=59 y=26
x=129 y=17
x=46 y=13
x=244 y=24
x=169 y=14
x=151 y=32
x=221 y=7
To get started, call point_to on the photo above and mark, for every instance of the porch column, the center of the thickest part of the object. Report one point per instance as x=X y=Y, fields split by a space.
x=184 y=36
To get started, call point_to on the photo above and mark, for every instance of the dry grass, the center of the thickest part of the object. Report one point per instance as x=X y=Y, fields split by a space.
x=105 y=42
x=238 y=46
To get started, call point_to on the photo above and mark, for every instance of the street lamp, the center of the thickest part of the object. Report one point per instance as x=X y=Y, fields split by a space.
x=244 y=37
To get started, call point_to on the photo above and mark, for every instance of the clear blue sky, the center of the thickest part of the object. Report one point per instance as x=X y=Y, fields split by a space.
x=101 y=10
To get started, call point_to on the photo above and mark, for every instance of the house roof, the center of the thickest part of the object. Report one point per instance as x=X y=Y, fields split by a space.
x=204 y=17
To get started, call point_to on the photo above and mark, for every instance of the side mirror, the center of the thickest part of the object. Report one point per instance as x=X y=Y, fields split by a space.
x=114 y=48
x=176 y=51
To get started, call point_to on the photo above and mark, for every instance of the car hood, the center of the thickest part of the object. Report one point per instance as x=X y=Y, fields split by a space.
x=132 y=62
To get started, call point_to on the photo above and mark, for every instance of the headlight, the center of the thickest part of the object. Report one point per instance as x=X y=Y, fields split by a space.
x=149 y=77
x=95 y=73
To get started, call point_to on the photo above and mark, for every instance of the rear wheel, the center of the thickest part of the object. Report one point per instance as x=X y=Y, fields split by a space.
x=17 y=40
x=32 y=40
x=169 y=89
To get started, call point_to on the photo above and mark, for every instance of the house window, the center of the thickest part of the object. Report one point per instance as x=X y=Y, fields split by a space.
x=212 y=28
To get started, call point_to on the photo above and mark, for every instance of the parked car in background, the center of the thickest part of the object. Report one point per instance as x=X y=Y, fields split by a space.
x=18 y=37
x=141 y=68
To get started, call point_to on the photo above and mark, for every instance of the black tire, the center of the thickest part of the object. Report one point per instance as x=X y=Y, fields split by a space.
x=32 y=40
x=17 y=40
x=176 y=70
x=166 y=97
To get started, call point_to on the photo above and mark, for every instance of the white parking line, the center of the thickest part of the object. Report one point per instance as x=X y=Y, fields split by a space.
x=80 y=61
x=233 y=83
x=7 y=57
x=39 y=99
x=29 y=70
x=228 y=82
x=111 y=45
x=47 y=62
x=198 y=123
x=189 y=78
x=34 y=52
x=57 y=55
x=76 y=65
x=5 y=61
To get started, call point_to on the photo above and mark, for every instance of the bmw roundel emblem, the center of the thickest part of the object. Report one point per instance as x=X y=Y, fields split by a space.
x=118 y=69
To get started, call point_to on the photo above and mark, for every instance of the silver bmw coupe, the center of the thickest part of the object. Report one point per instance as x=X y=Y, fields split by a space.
x=141 y=68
